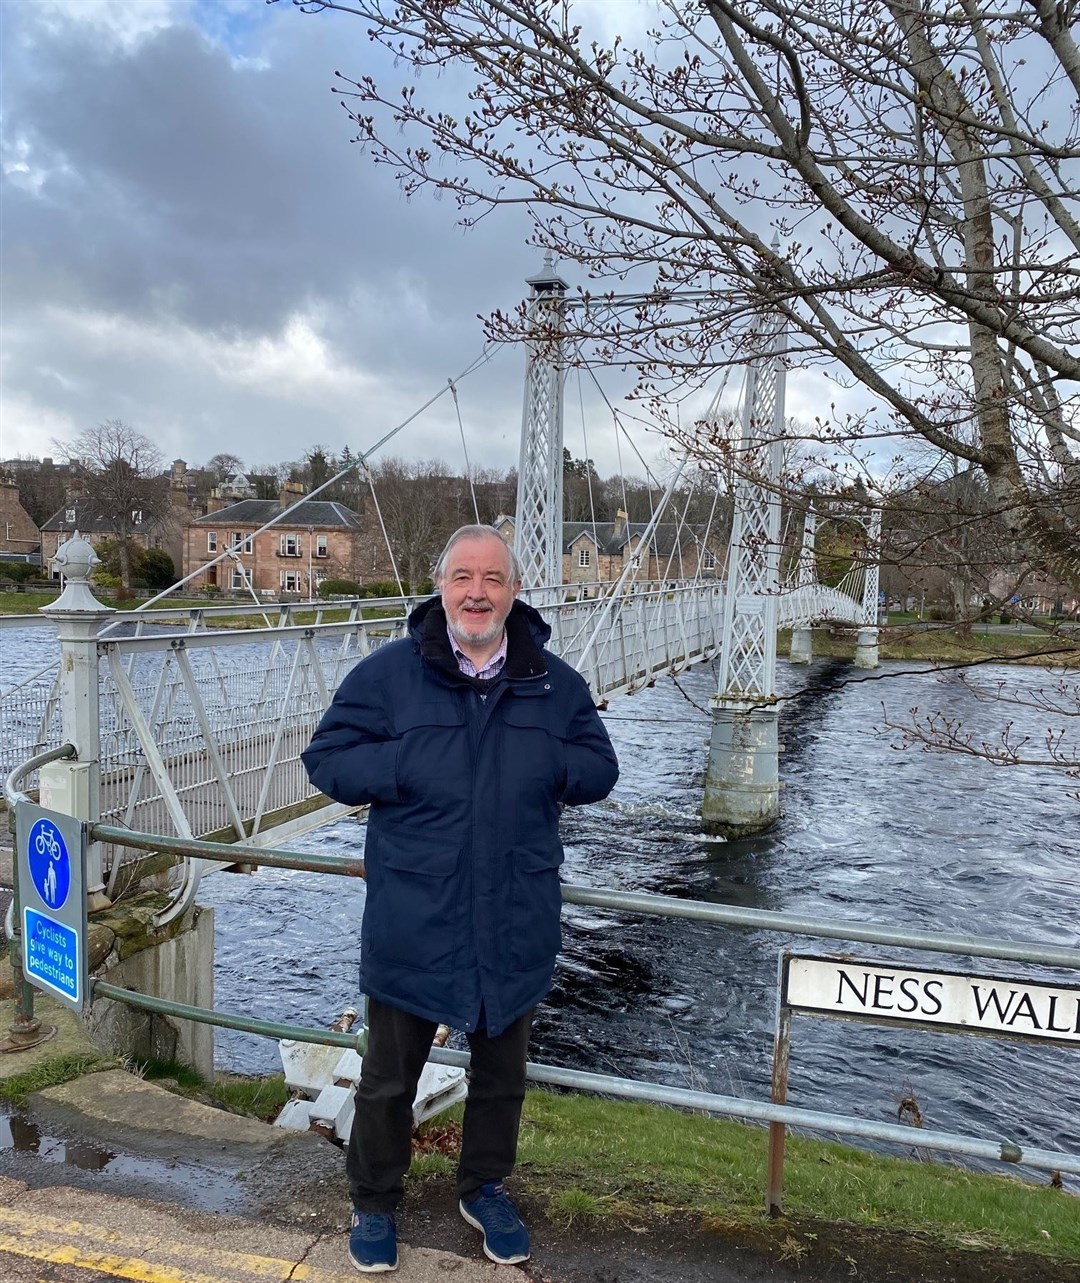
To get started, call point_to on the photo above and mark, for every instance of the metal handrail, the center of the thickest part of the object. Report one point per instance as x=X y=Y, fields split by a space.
x=606 y=1084
x=667 y=906
x=14 y=795
x=15 y=776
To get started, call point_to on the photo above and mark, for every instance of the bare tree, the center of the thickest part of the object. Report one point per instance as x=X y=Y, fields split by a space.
x=224 y=465
x=918 y=160
x=121 y=472
x=421 y=504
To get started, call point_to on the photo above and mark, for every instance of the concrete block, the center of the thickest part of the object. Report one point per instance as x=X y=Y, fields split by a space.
x=343 y=1126
x=332 y=1106
x=440 y=1087
x=308 y=1066
x=348 y=1068
x=181 y=969
x=296 y=1116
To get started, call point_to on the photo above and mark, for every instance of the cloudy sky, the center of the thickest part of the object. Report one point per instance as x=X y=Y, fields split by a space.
x=193 y=244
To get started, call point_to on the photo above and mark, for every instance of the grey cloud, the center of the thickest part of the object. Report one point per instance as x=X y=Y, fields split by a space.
x=185 y=190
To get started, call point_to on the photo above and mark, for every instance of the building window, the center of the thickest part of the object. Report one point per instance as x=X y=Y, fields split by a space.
x=290 y=581
x=320 y=577
x=69 y=514
x=290 y=546
x=239 y=578
x=584 y=557
x=320 y=546
x=211 y=541
x=136 y=516
x=239 y=540
x=708 y=560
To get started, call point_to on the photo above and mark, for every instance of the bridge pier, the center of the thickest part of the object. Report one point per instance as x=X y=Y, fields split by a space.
x=866 y=648
x=742 y=779
x=802 y=646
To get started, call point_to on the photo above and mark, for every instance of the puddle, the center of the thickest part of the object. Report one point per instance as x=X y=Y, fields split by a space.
x=208 y=1191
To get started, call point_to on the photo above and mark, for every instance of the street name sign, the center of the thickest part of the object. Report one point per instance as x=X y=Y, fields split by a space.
x=52 y=897
x=1009 y=1007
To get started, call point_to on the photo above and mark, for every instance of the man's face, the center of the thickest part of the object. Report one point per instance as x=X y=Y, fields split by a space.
x=477 y=590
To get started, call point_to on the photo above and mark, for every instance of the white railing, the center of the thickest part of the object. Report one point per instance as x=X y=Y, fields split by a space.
x=202 y=726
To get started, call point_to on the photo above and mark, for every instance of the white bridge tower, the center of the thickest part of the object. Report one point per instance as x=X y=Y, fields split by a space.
x=742 y=787
x=538 y=517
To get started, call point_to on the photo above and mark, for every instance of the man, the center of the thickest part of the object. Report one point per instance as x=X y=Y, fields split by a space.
x=465 y=739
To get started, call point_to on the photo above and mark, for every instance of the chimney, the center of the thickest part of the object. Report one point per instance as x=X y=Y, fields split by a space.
x=290 y=492
x=620 y=524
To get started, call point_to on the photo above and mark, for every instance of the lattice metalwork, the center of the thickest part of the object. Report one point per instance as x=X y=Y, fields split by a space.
x=872 y=581
x=806 y=571
x=748 y=656
x=538 y=519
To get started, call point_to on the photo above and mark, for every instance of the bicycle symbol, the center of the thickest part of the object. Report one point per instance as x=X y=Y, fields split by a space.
x=47 y=843
x=50 y=866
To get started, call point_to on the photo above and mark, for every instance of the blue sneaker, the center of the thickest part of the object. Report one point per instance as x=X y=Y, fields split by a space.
x=373 y=1242
x=494 y=1213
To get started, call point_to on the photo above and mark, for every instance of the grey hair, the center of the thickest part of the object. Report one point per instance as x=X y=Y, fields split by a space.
x=476 y=532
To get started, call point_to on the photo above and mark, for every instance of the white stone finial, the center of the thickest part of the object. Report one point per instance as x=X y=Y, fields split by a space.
x=76 y=560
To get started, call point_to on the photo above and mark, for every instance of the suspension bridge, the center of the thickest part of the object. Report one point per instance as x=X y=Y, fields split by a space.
x=184 y=727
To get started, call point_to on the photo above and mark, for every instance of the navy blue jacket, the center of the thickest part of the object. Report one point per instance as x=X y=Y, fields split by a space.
x=464 y=780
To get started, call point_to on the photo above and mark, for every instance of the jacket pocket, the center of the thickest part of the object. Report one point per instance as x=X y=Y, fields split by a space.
x=532 y=731
x=431 y=760
x=536 y=907
x=413 y=911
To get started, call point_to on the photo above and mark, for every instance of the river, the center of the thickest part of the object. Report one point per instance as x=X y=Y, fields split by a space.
x=869 y=832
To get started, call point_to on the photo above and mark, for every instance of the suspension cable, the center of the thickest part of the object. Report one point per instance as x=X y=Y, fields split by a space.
x=386 y=537
x=465 y=451
x=474 y=365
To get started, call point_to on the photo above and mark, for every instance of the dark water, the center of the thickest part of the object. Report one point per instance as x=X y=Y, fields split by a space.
x=869 y=833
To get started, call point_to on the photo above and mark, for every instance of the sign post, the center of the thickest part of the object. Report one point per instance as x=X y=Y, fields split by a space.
x=52 y=901
x=882 y=992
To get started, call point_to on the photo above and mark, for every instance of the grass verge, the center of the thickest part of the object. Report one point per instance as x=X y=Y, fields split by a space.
x=945 y=646
x=50 y=1073
x=260 y=1098
x=592 y=1158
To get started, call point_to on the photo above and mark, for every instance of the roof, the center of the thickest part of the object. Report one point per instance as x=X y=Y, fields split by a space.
x=89 y=520
x=319 y=513
x=612 y=536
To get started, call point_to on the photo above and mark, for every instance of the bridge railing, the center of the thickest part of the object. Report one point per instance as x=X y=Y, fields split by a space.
x=776 y=1111
x=202 y=723
x=206 y=720
x=202 y=732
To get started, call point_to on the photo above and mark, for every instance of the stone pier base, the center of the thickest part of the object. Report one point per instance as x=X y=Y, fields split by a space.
x=866 y=648
x=742 y=784
x=177 y=964
x=802 y=645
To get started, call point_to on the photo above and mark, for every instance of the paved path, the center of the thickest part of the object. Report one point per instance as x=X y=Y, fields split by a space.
x=71 y=1236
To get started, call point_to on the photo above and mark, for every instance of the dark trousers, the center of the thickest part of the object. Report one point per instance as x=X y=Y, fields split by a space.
x=380 y=1145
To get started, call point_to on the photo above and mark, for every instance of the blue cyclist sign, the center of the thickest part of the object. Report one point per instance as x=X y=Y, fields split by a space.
x=53 y=903
x=50 y=863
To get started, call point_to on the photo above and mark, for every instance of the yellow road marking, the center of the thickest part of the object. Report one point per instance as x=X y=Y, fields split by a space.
x=122 y=1267
x=126 y=1260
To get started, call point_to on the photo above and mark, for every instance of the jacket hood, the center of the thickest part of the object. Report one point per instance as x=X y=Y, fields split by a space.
x=526 y=633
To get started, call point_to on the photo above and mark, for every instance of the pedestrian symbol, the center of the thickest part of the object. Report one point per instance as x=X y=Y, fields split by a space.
x=50 y=864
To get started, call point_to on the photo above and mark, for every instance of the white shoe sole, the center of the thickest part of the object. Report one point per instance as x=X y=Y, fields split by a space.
x=499 y=1260
x=371 y=1269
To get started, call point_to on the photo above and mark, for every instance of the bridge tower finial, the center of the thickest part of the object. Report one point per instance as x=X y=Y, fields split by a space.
x=538 y=517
